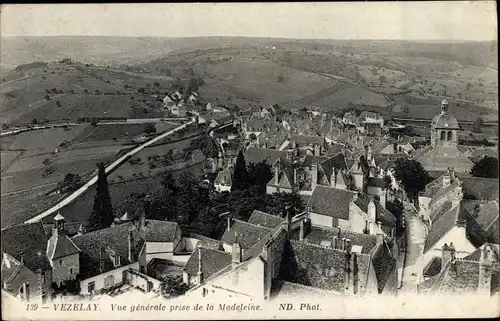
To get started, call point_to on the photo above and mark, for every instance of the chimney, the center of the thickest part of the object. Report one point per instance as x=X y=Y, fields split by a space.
x=276 y=173
x=199 y=274
x=367 y=228
x=317 y=150
x=485 y=271
x=347 y=270
x=236 y=254
x=314 y=176
x=331 y=124
x=348 y=245
x=372 y=210
x=80 y=230
x=229 y=221
x=383 y=198
x=380 y=238
x=130 y=247
x=22 y=259
x=142 y=220
x=102 y=259
x=447 y=253
x=301 y=231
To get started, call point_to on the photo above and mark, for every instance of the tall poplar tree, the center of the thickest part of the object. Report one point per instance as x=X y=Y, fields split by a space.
x=240 y=180
x=102 y=212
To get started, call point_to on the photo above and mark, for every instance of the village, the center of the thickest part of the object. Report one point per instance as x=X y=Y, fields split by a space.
x=308 y=203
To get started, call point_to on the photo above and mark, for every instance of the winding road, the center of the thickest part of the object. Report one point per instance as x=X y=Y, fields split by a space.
x=109 y=168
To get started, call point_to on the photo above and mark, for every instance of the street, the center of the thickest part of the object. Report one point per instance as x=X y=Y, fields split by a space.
x=416 y=235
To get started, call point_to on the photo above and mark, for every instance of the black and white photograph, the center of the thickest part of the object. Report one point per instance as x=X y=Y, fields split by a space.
x=249 y=160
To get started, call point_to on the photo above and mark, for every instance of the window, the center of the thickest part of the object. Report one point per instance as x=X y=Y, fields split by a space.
x=117 y=261
x=42 y=277
x=91 y=287
x=335 y=222
x=443 y=135
x=61 y=262
x=450 y=135
x=109 y=281
x=71 y=271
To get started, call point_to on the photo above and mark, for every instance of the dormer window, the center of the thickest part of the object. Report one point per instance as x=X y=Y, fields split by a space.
x=117 y=261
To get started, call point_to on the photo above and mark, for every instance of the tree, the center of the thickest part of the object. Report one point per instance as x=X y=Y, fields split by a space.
x=486 y=167
x=102 y=212
x=47 y=97
x=396 y=208
x=240 y=178
x=477 y=124
x=150 y=128
x=172 y=287
x=412 y=175
x=58 y=103
x=382 y=79
x=281 y=79
x=168 y=72
x=259 y=175
x=34 y=122
x=156 y=84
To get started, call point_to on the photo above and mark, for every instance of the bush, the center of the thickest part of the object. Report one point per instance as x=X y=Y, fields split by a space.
x=58 y=103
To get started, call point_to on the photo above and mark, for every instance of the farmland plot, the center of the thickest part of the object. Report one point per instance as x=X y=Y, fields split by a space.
x=7 y=157
x=267 y=81
x=108 y=132
x=46 y=139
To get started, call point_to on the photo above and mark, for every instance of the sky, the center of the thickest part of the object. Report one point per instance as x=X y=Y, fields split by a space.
x=447 y=20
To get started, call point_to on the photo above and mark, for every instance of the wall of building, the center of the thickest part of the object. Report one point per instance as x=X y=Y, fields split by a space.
x=320 y=220
x=247 y=279
x=141 y=280
x=222 y=188
x=25 y=275
x=99 y=279
x=69 y=269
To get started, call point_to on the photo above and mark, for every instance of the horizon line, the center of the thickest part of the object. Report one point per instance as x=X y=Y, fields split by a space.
x=261 y=37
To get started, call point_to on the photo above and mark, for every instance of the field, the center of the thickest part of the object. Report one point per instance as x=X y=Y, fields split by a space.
x=264 y=80
x=45 y=140
x=7 y=157
x=109 y=132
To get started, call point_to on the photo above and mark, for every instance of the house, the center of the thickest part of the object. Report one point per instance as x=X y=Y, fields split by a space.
x=26 y=268
x=168 y=102
x=341 y=262
x=477 y=273
x=256 y=257
x=352 y=211
x=178 y=110
x=223 y=181
x=314 y=144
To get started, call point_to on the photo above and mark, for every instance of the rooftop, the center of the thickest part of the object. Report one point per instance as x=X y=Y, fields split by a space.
x=322 y=199
x=212 y=261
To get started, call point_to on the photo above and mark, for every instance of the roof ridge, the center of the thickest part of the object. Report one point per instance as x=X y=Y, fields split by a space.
x=267 y=228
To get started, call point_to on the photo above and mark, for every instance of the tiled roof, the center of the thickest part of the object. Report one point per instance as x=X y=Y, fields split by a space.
x=159 y=231
x=323 y=198
x=445 y=223
x=380 y=147
x=257 y=155
x=336 y=162
x=433 y=268
x=265 y=220
x=440 y=158
x=28 y=241
x=293 y=290
x=244 y=233
x=383 y=215
x=60 y=245
x=207 y=242
x=384 y=264
x=480 y=188
x=375 y=182
x=212 y=261
x=320 y=267
x=318 y=234
x=307 y=140
x=10 y=269
x=435 y=215
x=114 y=238
x=488 y=214
x=224 y=176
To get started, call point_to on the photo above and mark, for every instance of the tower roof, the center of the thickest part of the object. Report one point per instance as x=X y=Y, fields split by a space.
x=444 y=102
x=58 y=217
x=444 y=120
